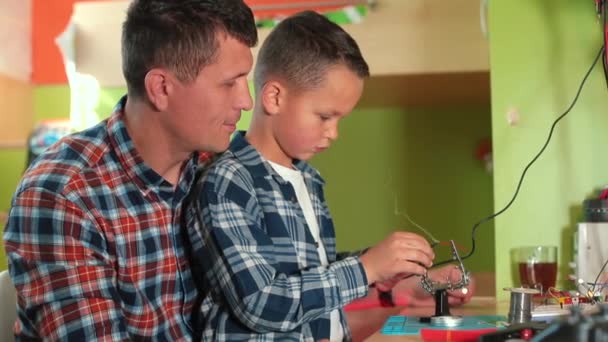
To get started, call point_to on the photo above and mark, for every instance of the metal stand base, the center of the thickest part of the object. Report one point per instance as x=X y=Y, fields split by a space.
x=446 y=321
x=443 y=317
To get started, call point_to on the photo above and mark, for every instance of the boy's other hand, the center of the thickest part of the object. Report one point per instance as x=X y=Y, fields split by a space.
x=401 y=254
x=456 y=297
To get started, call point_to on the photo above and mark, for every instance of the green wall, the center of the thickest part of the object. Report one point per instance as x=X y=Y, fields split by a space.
x=53 y=102
x=423 y=161
x=540 y=51
x=12 y=163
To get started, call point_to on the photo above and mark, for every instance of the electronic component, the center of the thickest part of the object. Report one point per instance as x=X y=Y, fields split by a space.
x=578 y=327
x=520 y=307
x=519 y=331
x=551 y=312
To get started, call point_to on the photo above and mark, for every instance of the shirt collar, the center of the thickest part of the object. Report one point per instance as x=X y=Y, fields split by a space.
x=143 y=175
x=256 y=165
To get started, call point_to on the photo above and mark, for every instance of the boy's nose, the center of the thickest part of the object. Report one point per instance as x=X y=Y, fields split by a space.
x=332 y=133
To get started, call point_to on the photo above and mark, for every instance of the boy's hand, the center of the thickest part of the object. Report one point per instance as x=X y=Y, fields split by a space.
x=457 y=297
x=401 y=254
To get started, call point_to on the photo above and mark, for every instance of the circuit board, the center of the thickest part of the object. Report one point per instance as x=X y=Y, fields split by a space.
x=405 y=325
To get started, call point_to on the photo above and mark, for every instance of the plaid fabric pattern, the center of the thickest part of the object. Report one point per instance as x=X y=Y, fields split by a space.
x=94 y=243
x=256 y=261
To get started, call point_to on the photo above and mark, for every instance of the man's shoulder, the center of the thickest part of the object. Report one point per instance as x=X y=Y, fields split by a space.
x=67 y=160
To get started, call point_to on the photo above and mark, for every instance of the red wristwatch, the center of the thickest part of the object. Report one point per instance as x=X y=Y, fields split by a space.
x=386 y=298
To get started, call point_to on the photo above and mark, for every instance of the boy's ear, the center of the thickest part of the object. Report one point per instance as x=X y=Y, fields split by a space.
x=272 y=97
x=158 y=85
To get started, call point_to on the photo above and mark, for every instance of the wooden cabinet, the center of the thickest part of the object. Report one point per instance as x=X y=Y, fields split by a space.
x=15 y=68
x=420 y=52
x=16 y=120
x=423 y=52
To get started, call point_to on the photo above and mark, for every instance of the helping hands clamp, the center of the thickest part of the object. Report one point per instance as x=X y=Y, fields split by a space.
x=439 y=290
x=432 y=286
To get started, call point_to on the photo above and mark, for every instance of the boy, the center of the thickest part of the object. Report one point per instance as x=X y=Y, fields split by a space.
x=265 y=240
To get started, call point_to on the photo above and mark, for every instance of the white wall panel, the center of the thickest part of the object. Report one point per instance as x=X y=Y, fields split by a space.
x=15 y=38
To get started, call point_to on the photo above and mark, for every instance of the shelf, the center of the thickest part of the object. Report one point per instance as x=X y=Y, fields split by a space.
x=410 y=37
x=420 y=52
x=428 y=90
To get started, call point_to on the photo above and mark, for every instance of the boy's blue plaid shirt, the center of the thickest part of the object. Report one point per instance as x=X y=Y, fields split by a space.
x=260 y=274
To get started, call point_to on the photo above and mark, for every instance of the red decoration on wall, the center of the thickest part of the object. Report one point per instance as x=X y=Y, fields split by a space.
x=287 y=7
x=483 y=153
x=49 y=19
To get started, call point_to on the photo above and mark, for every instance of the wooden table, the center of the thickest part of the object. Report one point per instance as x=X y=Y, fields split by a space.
x=366 y=324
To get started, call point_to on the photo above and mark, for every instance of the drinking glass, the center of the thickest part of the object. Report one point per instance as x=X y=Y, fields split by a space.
x=536 y=266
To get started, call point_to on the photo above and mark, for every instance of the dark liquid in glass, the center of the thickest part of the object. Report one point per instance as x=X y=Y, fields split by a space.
x=543 y=273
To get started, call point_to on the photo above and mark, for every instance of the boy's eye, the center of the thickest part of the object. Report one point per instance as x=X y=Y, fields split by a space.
x=325 y=117
x=230 y=82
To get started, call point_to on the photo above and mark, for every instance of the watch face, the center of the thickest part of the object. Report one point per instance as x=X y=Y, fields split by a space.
x=386 y=298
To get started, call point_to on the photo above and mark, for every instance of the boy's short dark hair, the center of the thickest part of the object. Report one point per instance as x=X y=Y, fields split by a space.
x=302 y=47
x=180 y=35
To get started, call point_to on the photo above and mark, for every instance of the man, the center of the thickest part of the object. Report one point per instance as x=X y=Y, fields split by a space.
x=93 y=236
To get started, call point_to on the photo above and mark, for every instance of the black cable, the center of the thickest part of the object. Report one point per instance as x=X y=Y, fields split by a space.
x=605 y=64
x=604 y=27
x=521 y=179
x=599 y=275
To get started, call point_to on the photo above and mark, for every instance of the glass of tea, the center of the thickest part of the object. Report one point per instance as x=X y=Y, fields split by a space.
x=536 y=266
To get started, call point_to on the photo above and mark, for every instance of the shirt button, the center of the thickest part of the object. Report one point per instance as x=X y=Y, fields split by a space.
x=294 y=199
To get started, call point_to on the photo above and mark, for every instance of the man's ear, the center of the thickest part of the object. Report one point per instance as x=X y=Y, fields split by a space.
x=273 y=94
x=159 y=85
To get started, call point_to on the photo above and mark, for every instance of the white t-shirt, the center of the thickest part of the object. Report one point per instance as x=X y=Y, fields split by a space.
x=296 y=179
